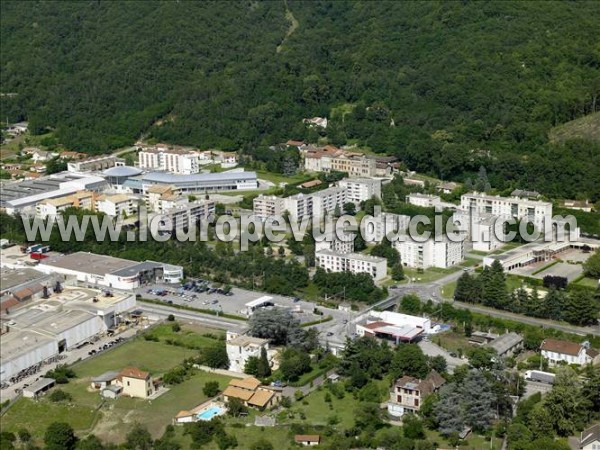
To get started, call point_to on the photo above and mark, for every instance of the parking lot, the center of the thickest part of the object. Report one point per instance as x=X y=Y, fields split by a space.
x=203 y=295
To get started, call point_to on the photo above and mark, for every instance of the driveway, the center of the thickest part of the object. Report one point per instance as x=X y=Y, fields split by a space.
x=431 y=349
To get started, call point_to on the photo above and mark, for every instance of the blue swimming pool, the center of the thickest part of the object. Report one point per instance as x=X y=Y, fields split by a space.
x=210 y=413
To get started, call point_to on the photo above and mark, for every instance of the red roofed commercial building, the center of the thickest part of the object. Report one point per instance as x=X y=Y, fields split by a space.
x=394 y=327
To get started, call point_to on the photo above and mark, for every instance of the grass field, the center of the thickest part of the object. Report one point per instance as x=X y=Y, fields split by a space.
x=427 y=275
x=453 y=342
x=154 y=357
x=588 y=282
x=187 y=337
x=279 y=178
x=587 y=127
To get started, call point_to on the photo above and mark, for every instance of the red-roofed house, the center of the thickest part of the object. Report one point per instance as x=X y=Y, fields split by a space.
x=570 y=352
x=136 y=382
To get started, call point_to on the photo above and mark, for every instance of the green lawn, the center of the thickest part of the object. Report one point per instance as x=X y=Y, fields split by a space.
x=279 y=178
x=154 y=357
x=427 y=275
x=186 y=337
x=452 y=341
x=448 y=290
x=588 y=282
x=317 y=411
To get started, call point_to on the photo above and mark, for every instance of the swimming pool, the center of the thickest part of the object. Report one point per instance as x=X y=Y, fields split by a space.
x=210 y=413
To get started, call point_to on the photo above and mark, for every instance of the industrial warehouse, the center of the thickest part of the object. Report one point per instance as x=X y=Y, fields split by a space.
x=107 y=271
x=45 y=328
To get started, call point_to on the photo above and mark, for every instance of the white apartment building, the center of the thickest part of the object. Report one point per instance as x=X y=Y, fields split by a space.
x=327 y=200
x=241 y=347
x=95 y=163
x=519 y=208
x=431 y=253
x=179 y=161
x=334 y=243
x=387 y=225
x=360 y=189
x=117 y=205
x=184 y=213
x=424 y=200
x=352 y=262
x=265 y=206
x=55 y=206
x=480 y=229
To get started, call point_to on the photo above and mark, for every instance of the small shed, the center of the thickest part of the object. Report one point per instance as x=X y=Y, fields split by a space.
x=104 y=380
x=39 y=387
x=307 y=439
x=111 y=391
x=333 y=378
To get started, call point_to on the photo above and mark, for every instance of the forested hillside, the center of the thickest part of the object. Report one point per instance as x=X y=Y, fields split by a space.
x=447 y=87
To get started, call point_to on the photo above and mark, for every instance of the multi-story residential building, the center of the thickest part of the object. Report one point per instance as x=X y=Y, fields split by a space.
x=117 y=205
x=327 y=200
x=442 y=253
x=355 y=165
x=408 y=393
x=96 y=163
x=330 y=158
x=360 y=189
x=155 y=195
x=352 y=262
x=241 y=347
x=387 y=225
x=556 y=351
x=424 y=200
x=519 y=208
x=175 y=160
x=480 y=229
x=334 y=243
x=182 y=214
x=265 y=206
x=54 y=206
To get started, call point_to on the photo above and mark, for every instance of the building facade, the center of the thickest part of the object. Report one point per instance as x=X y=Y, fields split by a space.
x=174 y=160
x=352 y=262
x=518 y=208
x=360 y=189
x=241 y=347
x=408 y=393
x=442 y=253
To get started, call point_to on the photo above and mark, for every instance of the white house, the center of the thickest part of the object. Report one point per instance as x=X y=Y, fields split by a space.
x=556 y=351
x=423 y=200
x=241 y=347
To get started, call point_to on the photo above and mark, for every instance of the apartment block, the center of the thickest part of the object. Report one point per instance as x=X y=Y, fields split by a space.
x=519 y=208
x=443 y=253
x=480 y=229
x=387 y=225
x=352 y=262
x=265 y=206
x=117 y=205
x=334 y=243
x=175 y=160
x=360 y=189
x=184 y=213
x=55 y=206
x=94 y=164
x=327 y=200
x=424 y=200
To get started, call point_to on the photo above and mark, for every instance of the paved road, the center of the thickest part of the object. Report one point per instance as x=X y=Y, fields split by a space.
x=212 y=321
x=432 y=291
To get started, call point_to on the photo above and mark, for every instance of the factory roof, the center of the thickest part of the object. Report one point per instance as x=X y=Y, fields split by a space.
x=505 y=343
x=166 y=177
x=88 y=262
x=122 y=171
x=14 y=278
x=136 y=269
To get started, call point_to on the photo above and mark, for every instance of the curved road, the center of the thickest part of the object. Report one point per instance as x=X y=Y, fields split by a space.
x=432 y=291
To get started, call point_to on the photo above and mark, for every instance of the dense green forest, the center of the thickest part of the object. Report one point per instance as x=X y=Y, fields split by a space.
x=448 y=87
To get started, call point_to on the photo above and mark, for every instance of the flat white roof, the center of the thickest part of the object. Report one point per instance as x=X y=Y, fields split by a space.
x=259 y=301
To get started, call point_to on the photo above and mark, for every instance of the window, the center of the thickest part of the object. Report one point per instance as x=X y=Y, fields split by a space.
x=416 y=402
x=128 y=384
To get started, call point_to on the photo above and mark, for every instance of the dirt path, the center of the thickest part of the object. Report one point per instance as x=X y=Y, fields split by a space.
x=293 y=26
